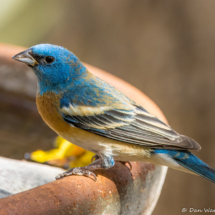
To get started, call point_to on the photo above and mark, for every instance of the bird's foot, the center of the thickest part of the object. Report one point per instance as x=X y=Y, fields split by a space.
x=127 y=162
x=103 y=162
x=77 y=171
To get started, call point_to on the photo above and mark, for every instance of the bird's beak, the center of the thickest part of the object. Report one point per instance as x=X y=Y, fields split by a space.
x=26 y=57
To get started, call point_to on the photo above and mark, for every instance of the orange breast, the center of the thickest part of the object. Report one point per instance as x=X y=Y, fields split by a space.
x=48 y=105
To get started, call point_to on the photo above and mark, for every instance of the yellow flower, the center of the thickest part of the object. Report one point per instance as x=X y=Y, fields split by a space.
x=65 y=154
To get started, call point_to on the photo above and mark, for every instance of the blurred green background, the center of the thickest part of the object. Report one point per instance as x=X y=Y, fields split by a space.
x=164 y=48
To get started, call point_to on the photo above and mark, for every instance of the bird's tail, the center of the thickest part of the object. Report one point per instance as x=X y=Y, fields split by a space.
x=178 y=159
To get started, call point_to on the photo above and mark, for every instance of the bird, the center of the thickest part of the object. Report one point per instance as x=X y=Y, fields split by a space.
x=87 y=111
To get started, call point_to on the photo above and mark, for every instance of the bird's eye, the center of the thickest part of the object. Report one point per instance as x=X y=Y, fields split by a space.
x=49 y=59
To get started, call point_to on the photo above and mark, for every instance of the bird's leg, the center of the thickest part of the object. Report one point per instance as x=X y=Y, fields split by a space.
x=103 y=162
x=95 y=157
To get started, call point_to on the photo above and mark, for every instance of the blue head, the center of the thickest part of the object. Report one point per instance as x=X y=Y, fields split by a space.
x=54 y=66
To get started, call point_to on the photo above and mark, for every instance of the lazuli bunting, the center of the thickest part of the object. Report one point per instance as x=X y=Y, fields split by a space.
x=92 y=114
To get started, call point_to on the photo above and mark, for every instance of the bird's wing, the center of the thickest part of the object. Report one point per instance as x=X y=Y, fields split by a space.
x=133 y=125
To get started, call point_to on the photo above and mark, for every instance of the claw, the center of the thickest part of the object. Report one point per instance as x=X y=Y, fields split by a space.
x=77 y=171
x=59 y=176
x=93 y=174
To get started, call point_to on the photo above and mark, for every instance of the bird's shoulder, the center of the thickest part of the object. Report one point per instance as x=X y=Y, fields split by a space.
x=91 y=91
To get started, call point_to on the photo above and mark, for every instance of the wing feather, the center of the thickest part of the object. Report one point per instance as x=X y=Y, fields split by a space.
x=135 y=126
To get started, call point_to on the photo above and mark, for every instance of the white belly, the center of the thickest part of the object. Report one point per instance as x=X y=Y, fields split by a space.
x=102 y=145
